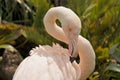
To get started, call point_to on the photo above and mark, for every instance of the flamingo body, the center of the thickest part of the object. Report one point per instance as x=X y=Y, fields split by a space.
x=46 y=63
x=53 y=63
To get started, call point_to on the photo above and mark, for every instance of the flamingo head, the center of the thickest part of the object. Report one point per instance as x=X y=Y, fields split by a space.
x=72 y=31
x=71 y=26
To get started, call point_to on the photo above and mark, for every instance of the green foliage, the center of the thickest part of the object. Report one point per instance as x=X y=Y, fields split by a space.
x=28 y=34
x=9 y=47
x=102 y=21
x=8 y=33
x=100 y=24
x=16 y=11
x=42 y=7
x=115 y=52
x=79 y=6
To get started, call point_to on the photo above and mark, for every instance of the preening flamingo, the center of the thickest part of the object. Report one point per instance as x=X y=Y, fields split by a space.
x=53 y=63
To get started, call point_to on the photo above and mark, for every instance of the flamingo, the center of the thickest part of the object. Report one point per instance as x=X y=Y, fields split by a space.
x=53 y=62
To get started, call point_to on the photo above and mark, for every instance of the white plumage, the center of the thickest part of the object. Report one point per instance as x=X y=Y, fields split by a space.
x=53 y=63
x=46 y=63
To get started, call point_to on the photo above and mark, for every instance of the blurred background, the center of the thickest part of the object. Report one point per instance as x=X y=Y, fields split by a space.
x=21 y=29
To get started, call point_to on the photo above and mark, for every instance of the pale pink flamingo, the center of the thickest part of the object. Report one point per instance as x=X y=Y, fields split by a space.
x=53 y=63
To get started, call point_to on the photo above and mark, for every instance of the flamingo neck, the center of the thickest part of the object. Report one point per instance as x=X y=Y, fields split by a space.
x=87 y=57
x=52 y=28
x=85 y=50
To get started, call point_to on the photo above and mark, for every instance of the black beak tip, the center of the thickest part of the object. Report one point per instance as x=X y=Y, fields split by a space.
x=72 y=59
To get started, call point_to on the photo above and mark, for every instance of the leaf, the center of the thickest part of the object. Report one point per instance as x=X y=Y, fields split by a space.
x=116 y=55
x=9 y=47
x=113 y=49
x=115 y=52
x=32 y=35
x=102 y=53
x=113 y=67
x=87 y=11
x=10 y=37
x=116 y=76
x=9 y=32
x=43 y=6
x=112 y=70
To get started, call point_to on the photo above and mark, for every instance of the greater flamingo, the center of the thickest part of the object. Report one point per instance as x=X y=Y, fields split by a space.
x=53 y=63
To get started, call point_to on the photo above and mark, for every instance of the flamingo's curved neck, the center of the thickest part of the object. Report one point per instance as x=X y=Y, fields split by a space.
x=87 y=57
x=86 y=52
x=52 y=28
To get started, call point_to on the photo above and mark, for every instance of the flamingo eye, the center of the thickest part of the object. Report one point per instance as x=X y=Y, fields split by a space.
x=69 y=29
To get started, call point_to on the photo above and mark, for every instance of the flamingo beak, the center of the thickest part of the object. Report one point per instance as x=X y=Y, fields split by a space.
x=73 y=47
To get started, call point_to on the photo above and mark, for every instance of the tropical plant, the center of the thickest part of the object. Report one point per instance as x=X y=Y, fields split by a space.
x=100 y=24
